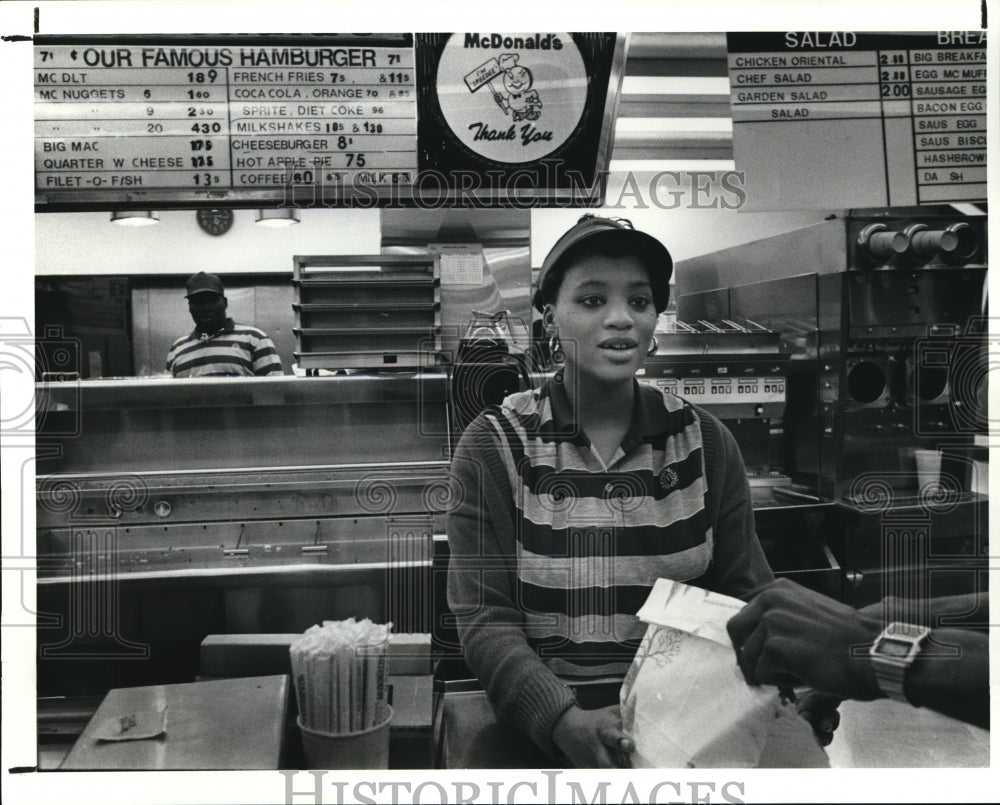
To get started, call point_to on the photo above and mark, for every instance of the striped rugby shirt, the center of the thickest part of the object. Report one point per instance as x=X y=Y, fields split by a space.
x=552 y=552
x=236 y=349
x=593 y=539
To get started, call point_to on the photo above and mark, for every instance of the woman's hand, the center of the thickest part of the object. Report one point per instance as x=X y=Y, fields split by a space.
x=593 y=738
x=820 y=710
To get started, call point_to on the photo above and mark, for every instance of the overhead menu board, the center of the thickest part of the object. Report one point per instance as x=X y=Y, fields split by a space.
x=843 y=119
x=307 y=119
x=318 y=120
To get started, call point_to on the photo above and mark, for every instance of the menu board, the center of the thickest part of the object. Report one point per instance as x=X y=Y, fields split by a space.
x=323 y=120
x=307 y=121
x=843 y=119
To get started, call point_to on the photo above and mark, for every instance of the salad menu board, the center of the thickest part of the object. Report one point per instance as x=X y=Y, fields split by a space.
x=843 y=119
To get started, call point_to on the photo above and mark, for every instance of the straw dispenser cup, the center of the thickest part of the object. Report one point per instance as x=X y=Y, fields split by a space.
x=339 y=671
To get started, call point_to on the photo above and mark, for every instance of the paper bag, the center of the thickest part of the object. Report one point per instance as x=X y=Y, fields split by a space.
x=684 y=701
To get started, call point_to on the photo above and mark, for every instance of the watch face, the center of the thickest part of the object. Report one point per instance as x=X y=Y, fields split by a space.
x=894 y=648
x=215 y=222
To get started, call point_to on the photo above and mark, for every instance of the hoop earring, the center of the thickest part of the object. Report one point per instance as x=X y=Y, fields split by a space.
x=654 y=347
x=556 y=352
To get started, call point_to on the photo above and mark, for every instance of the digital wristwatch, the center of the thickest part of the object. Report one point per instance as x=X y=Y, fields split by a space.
x=892 y=654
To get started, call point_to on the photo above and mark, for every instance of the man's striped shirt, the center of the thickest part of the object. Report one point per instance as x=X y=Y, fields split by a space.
x=592 y=539
x=234 y=350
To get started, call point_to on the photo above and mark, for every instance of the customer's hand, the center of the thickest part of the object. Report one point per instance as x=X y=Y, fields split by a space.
x=790 y=635
x=593 y=738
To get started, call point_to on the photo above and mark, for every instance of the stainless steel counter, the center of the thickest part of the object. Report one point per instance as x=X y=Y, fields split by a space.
x=222 y=724
x=170 y=509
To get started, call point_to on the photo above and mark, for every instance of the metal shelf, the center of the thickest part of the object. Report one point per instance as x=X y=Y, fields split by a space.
x=368 y=280
x=343 y=303
x=371 y=331
x=333 y=307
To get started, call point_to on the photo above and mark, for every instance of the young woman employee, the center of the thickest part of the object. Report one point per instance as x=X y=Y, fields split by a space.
x=571 y=500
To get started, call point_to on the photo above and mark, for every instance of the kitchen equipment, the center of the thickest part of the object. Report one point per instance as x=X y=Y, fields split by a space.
x=367 y=311
x=170 y=509
x=737 y=370
x=886 y=343
x=881 y=314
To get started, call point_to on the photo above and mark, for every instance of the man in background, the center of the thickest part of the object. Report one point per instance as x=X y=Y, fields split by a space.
x=218 y=347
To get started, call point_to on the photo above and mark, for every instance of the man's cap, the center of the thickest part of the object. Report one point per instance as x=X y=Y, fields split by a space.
x=593 y=231
x=204 y=283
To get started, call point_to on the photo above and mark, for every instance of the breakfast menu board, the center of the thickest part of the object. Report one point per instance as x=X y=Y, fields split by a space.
x=828 y=120
x=309 y=118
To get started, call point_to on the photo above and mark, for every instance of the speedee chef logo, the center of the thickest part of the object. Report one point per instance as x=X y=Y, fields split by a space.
x=512 y=98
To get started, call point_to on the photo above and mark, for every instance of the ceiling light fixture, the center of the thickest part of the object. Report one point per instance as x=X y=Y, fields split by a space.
x=277 y=218
x=134 y=217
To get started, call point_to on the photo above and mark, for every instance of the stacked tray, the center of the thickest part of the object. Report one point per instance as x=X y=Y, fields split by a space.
x=367 y=312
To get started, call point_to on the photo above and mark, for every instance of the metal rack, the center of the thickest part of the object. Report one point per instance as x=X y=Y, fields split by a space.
x=367 y=311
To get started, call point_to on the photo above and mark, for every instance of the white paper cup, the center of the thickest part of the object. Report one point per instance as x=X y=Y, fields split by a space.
x=364 y=749
x=928 y=468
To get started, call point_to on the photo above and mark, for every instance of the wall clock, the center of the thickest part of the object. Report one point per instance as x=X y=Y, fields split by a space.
x=215 y=222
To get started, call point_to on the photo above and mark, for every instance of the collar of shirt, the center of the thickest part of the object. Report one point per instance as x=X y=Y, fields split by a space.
x=649 y=417
x=228 y=327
